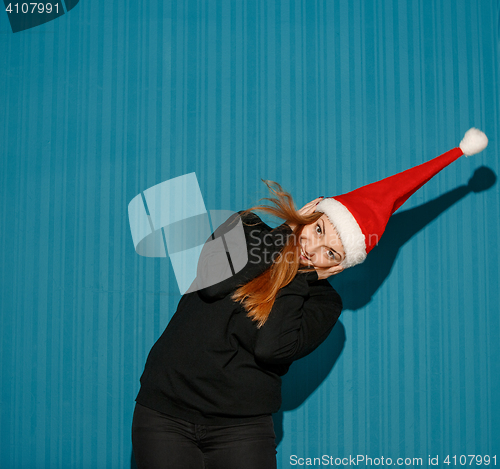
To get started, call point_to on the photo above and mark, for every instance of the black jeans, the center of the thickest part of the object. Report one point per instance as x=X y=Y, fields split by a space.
x=165 y=442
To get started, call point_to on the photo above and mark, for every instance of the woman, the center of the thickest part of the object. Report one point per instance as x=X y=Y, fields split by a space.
x=212 y=380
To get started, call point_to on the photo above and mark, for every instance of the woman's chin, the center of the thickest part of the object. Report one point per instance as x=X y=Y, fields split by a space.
x=305 y=262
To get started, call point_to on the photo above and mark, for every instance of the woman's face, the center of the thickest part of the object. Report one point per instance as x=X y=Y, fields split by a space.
x=321 y=247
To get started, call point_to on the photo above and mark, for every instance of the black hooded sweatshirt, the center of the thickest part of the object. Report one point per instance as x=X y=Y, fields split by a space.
x=212 y=365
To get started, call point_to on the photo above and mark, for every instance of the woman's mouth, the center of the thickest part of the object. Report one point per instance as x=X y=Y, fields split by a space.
x=304 y=256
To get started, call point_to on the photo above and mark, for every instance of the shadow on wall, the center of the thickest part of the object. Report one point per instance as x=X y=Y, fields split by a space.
x=358 y=285
x=305 y=375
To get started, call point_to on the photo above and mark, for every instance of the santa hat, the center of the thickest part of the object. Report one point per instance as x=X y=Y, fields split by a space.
x=360 y=216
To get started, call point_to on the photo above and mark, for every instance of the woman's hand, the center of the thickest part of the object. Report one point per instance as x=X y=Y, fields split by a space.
x=307 y=209
x=325 y=273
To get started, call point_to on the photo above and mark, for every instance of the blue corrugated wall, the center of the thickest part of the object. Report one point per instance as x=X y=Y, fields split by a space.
x=321 y=96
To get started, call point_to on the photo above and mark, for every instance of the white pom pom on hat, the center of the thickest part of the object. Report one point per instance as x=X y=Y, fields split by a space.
x=360 y=216
x=474 y=141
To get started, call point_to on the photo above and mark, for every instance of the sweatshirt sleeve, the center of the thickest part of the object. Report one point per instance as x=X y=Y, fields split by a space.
x=301 y=319
x=262 y=245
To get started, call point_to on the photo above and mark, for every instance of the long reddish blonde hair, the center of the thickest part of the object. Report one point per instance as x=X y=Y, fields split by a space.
x=258 y=295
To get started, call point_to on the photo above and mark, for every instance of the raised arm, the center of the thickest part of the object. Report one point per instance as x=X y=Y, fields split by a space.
x=303 y=315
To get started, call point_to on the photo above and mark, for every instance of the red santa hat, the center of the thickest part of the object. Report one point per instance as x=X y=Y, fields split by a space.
x=360 y=216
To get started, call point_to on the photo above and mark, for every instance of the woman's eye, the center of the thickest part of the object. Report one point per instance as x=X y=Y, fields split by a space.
x=318 y=229
x=331 y=255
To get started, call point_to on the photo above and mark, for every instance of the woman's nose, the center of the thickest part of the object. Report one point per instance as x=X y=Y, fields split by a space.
x=312 y=251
